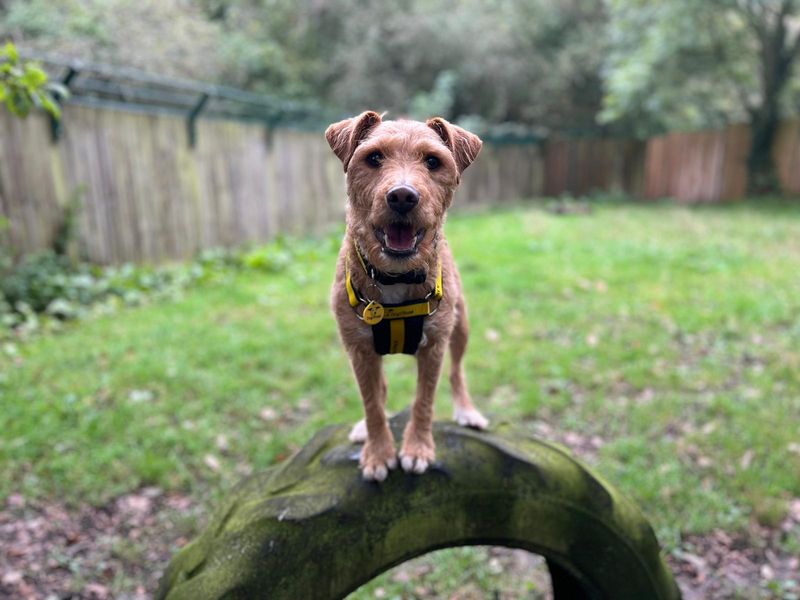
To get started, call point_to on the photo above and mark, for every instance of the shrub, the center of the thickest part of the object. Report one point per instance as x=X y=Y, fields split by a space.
x=47 y=287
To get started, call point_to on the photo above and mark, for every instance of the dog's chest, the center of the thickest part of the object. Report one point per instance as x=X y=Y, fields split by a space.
x=397 y=293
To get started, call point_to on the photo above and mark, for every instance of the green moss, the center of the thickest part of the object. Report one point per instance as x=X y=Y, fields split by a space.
x=311 y=528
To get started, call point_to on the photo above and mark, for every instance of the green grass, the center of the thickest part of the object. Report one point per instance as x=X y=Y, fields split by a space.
x=671 y=333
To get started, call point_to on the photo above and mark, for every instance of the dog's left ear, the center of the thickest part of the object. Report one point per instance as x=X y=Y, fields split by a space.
x=464 y=145
x=343 y=137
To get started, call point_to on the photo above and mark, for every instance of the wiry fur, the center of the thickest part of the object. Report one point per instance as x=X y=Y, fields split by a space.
x=405 y=146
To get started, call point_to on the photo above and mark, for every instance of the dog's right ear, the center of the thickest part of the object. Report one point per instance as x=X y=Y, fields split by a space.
x=344 y=136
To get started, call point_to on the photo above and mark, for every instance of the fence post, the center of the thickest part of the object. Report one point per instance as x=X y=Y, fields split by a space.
x=56 y=126
x=191 y=119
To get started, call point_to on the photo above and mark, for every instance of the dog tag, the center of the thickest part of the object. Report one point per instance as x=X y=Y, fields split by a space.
x=373 y=313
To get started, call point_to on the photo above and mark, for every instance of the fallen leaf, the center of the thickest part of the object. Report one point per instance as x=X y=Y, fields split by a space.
x=268 y=414
x=492 y=335
x=138 y=396
x=747 y=459
x=12 y=578
x=97 y=590
x=212 y=462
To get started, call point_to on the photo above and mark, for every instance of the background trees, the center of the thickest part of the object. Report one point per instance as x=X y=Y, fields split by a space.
x=682 y=64
x=634 y=67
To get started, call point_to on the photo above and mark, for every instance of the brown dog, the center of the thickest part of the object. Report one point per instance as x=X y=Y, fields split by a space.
x=397 y=288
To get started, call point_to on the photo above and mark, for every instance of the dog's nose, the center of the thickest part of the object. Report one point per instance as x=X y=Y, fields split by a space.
x=402 y=198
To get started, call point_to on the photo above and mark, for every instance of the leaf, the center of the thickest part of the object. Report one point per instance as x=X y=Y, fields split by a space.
x=34 y=77
x=10 y=52
x=49 y=105
x=212 y=462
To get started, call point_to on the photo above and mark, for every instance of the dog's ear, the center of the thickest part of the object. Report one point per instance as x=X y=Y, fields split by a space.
x=464 y=145
x=344 y=136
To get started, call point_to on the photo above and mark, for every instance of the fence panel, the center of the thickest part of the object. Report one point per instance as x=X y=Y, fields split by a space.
x=786 y=153
x=146 y=195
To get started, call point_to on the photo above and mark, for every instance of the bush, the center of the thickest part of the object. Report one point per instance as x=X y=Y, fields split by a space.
x=49 y=287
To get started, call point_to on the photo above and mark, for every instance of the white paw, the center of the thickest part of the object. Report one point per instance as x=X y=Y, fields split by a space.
x=358 y=433
x=413 y=465
x=470 y=417
x=378 y=472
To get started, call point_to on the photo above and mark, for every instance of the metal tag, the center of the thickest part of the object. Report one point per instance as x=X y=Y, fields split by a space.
x=373 y=313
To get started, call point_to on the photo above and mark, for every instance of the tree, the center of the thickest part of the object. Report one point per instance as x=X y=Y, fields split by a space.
x=535 y=63
x=170 y=37
x=772 y=24
x=684 y=64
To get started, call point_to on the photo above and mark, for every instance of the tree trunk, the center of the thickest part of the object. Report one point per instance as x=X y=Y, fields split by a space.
x=763 y=177
x=777 y=57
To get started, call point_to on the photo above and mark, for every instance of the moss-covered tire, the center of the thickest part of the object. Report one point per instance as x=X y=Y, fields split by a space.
x=311 y=528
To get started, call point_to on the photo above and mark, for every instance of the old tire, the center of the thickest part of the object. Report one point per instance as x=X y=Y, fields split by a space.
x=311 y=528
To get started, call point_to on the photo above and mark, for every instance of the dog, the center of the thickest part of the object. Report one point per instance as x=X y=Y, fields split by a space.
x=397 y=288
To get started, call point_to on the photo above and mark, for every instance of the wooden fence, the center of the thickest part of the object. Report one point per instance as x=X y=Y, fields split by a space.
x=145 y=195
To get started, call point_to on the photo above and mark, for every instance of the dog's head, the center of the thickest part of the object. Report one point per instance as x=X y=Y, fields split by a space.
x=401 y=176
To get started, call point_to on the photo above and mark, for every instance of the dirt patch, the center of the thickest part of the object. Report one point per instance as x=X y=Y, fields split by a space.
x=723 y=566
x=114 y=551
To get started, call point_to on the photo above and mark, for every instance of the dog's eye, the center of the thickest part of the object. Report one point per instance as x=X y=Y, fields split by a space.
x=432 y=162
x=375 y=159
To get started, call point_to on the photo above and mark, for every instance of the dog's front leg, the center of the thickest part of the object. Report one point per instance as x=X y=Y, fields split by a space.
x=418 y=450
x=378 y=455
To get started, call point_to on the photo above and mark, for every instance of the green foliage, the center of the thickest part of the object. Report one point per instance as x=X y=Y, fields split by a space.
x=682 y=64
x=439 y=101
x=577 y=66
x=535 y=63
x=163 y=36
x=48 y=287
x=67 y=230
x=24 y=85
x=54 y=285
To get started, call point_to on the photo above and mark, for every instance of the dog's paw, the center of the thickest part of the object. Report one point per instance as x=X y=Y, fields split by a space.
x=416 y=456
x=377 y=460
x=470 y=417
x=358 y=433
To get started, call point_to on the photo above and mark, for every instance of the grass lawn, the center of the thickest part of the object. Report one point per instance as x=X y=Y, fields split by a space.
x=664 y=341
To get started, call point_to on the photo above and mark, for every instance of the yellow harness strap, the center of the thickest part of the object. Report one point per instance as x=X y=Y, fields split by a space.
x=348 y=284
x=400 y=317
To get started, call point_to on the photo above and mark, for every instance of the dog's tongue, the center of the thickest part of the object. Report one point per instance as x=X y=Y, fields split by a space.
x=400 y=236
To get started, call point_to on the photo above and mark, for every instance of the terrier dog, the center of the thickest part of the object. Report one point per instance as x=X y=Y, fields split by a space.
x=397 y=289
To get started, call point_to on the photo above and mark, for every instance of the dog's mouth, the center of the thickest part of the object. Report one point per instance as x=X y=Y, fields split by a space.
x=399 y=239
